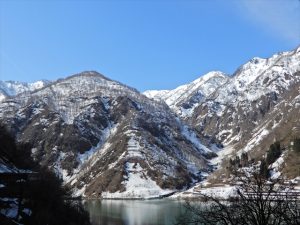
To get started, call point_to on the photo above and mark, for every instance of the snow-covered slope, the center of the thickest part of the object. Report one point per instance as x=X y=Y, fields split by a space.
x=106 y=139
x=186 y=97
x=12 y=88
x=246 y=105
x=261 y=76
x=247 y=111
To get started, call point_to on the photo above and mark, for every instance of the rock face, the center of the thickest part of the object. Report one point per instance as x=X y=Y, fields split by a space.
x=247 y=111
x=105 y=138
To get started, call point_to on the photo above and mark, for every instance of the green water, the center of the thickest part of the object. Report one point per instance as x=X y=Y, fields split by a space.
x=134 y=212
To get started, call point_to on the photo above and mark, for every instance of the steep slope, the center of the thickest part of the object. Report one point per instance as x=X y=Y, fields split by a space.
x=251 y=105
x=106 y=139
x=184 y=99
x=249 y=110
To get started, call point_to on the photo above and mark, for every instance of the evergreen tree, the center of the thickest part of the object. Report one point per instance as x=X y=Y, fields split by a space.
x=237 y=162
x=273 y=153
x=244 y=159
x=296 y=145
x=263 y=169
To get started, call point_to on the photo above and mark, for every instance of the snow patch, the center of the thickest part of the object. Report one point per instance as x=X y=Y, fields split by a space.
x=191 y=136
x=138 y=185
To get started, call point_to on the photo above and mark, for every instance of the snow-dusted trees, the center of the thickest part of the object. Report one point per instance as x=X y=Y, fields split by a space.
x=257 y=201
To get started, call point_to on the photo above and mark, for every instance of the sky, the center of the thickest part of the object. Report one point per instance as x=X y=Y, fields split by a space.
x=146 y=44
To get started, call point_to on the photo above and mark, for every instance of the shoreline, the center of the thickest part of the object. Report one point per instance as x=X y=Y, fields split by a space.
x=138 y=198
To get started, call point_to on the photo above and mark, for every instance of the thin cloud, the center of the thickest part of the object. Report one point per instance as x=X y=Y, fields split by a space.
x=281 y=17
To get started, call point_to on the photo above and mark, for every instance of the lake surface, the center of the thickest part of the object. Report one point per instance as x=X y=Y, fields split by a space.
x=134 y=212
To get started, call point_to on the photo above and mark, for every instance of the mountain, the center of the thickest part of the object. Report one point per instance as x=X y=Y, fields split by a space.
x=187 y=97
x=106 y=139
x=12 y=88
x=247 y=111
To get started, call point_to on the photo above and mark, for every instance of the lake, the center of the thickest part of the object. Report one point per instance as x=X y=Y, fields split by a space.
x=134 y=212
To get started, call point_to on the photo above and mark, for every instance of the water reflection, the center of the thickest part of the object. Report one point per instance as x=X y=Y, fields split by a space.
x=134 y=212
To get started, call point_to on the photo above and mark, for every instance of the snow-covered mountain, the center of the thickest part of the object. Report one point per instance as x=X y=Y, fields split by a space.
x=246 y=111
x=12 y=88
x=106 y=139
x=186 y=97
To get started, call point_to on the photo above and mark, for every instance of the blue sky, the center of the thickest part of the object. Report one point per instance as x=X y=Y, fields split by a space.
x=145 y=44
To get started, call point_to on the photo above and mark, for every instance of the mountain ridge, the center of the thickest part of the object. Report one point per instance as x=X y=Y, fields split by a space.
x=101 y=136
x=106 y=139
x=12 y=88
x=252 y=109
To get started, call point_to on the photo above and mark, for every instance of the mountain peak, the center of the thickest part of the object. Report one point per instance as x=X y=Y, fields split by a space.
x=210 y=75
x=91 y=130
x=190 y=94
x=89 y=73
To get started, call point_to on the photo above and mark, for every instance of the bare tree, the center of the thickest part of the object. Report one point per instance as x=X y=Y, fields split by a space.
x=257 y=201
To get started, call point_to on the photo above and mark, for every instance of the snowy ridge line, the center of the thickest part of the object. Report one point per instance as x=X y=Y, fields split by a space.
x=12 y=88
x=71 y=99
x=274 y=63
x=203 y=85
x=242 y=79
x=140 y=145
x=199 y=83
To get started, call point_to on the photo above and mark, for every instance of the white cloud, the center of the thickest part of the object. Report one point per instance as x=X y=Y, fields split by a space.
x=281 y=17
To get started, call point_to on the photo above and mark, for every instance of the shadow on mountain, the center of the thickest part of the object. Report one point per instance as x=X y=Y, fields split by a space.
x=30 y=194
